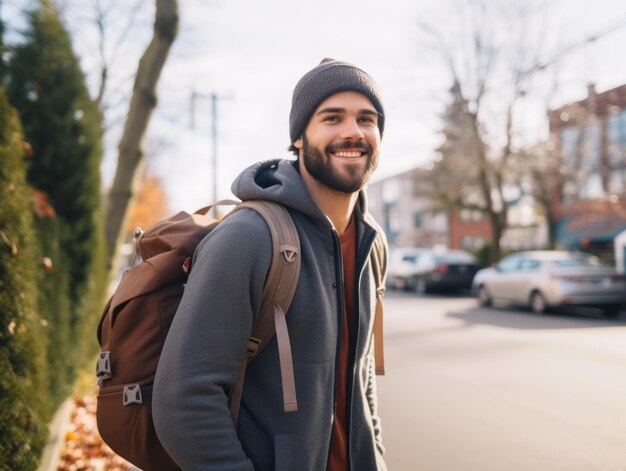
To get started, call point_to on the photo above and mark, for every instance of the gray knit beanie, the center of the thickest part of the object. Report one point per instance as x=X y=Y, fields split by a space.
x=329 y=77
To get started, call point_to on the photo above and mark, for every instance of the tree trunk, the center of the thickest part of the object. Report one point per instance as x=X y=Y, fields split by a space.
x=551 y=223
x=498 y=229
x=142 y=105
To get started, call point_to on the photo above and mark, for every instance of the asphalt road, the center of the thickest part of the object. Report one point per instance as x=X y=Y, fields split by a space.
x=476 y=389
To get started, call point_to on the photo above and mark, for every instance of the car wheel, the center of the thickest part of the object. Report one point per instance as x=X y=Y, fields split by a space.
x=484 y=299
x=611 y=311
x=409 y=284
x=537 y=303
x=420 y=286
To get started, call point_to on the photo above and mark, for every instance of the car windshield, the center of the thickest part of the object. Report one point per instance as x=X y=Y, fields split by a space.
x=410 y=258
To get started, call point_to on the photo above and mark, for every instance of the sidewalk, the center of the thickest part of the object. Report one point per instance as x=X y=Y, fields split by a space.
x=56 y=439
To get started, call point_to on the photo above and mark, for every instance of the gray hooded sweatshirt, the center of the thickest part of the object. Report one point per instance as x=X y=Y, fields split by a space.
x=205 y=346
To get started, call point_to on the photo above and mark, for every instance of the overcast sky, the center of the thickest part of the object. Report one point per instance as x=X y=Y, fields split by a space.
x=252 y=53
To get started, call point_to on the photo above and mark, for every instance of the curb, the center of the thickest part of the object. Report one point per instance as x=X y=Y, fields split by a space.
x=56 y=438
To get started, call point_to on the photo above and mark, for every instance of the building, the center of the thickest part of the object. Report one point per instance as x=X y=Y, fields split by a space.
x=469 y=229
x=590 y=201
x=410 y=218
x=405 y=213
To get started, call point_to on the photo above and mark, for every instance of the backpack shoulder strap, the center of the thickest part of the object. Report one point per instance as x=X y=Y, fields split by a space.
x=378 y=258
x=278 y=292
x=282 y=279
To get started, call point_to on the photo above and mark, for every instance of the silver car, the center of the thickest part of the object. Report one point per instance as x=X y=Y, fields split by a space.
x=551 y=278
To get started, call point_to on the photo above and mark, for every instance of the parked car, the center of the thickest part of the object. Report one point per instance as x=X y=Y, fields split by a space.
x=546 y=279
x=425 y=270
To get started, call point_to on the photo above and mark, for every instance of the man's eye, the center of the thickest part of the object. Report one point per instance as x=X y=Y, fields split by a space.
x=367 y=119
x=331 y=119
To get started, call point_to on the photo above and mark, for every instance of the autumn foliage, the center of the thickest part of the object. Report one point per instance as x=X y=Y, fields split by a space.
x=149 y=207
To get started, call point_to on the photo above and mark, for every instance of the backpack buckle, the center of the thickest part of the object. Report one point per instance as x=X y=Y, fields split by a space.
x=132 y=395
x=253 y=346
x=289 y=252
x=103 y=367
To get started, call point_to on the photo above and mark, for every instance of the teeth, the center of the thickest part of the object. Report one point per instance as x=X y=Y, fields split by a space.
x=348 y=154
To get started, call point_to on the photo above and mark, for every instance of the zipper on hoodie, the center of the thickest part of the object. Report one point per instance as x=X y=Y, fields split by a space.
x=338 y=261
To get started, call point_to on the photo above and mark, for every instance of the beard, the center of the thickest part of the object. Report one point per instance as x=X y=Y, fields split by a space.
x=320 y=166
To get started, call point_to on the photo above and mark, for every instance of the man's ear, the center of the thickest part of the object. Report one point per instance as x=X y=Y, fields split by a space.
x=298 y=143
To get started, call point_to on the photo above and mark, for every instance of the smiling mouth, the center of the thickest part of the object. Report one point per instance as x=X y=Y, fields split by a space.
x=348 y=155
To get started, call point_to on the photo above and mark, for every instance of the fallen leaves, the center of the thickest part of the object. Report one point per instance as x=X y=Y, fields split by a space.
x=84 y=449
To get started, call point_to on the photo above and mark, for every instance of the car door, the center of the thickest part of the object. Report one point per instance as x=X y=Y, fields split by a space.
x=503 y=283
x=523 y=280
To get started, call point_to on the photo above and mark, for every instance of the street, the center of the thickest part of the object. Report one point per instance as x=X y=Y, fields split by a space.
x=477 y=389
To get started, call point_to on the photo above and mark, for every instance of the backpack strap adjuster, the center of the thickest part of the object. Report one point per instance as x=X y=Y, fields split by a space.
x=132 y=395
x=253 y=346
x=103 y=367
x=289 y=252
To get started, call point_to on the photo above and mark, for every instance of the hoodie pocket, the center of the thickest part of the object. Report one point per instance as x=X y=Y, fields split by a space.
x=283 y=453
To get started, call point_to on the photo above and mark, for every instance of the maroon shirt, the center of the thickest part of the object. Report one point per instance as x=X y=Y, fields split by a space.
x=338 y=457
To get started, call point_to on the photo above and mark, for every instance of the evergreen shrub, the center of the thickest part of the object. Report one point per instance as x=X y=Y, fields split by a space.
x=24 y=405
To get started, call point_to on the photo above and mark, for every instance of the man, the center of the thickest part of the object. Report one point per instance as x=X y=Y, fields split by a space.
x=335 y=125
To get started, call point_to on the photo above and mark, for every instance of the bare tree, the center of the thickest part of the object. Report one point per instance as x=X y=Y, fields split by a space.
x=109 y=44
x=540 y=173
x=142 y=104
x=487 y=52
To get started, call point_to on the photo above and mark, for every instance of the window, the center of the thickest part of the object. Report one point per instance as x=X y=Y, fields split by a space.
x=617 y=130
x=470 y=215
x=581 y=147
x=472 y=243
x=417 y=220
x=509 y=264
x=617 y=151
x=570 y=143
x=578 y=261
x=591 y=146
x=394 y=219
x=529 y=265
x=591 y=187
x=391 y=190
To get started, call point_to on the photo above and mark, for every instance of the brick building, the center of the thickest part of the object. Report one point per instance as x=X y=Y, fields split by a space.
x=590 y=201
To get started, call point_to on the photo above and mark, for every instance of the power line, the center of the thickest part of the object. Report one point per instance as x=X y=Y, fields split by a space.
x=610 y=28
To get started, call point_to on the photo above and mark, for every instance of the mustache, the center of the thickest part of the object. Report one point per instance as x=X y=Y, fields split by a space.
x=360 y=145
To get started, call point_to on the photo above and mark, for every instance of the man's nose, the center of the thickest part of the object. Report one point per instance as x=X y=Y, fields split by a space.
x=352 y=130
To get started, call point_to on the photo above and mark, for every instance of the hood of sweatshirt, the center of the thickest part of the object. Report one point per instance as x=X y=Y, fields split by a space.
x=280 y=181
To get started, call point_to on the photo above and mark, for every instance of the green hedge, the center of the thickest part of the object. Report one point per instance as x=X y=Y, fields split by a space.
x=48 y=312
x=24 y=405
x=63 y=125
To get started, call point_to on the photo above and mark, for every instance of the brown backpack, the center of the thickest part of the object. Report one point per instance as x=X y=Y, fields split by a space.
x=137 y=317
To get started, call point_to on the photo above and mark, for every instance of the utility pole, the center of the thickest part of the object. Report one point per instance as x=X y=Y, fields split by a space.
x=214 y=97
x=214 y=143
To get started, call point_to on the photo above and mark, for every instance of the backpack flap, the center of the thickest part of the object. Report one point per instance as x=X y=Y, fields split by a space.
x=151 y=275
x=180 y=230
